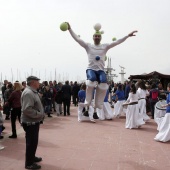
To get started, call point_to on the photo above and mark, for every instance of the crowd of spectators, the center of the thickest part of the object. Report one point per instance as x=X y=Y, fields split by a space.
x=55 y=97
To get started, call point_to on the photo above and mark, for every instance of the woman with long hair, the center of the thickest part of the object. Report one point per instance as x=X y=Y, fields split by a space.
x=133 y=117
x=15 y=103
x=143 y=93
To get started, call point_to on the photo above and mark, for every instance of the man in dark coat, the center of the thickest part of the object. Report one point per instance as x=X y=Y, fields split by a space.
x=75 y=90
x=66 y=92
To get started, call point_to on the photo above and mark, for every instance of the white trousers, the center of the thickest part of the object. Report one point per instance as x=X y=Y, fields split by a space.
x=81 y=117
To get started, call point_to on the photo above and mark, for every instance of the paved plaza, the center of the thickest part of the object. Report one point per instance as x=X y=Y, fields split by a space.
x=66 y=144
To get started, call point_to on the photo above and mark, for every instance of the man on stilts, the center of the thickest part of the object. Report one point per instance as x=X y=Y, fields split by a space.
x=96 y=77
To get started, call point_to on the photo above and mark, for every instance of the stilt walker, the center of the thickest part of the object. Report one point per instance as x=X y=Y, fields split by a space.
x=96 y=53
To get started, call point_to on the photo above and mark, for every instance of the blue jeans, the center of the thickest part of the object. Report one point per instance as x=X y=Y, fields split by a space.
x=47 y=109
x=99 y=76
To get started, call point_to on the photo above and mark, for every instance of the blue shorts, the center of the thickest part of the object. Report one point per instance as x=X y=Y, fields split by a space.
x=99 y=76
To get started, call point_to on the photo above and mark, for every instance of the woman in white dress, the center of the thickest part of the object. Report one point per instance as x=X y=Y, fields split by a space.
x=133 y=117
x=164 y=122
x=142 y=93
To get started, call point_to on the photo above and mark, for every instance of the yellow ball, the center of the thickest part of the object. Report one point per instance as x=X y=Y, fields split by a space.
x=64 y=26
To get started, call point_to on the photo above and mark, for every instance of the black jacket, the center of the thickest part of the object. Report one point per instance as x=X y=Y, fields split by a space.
x=66 y=92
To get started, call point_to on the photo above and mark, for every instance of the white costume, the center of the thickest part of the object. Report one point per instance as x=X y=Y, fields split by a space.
x=133 y=117
x=164 y=129
x=81 y=117
x=142 y=103
x=96 y=63
x=81 y=106
x=119 y=109
x=106 y=112
x=164 y=122
x=159 y=112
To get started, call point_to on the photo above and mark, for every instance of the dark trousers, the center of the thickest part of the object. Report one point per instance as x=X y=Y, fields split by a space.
x=0 y=129
x=152 y=105
x=66 y=104
x=31 y=135
x=7 y=110
x=75 y=100
x=16 y=112
x=53 y=104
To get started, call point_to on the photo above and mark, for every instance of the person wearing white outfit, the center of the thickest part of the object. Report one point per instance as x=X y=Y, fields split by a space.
x=164 y=123
x=159 y=112
x=106 y=112
x=142 y=93
x=96 y=77
x=118 y=107
x=81 y=106
x=133 y=117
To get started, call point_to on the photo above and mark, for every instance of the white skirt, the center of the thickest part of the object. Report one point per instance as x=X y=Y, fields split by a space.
x=118 y=108
x=106 y=112
x=164 y=129
x=133 y=117
x=81 y=117
x=158 y=116
x=142 y=109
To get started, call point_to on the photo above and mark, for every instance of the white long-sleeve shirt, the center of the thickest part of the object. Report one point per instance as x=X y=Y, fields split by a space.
x=96 y=50
x=142 y=93
x=132 y=97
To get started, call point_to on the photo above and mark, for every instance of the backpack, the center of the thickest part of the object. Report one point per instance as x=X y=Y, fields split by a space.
x=154 y=95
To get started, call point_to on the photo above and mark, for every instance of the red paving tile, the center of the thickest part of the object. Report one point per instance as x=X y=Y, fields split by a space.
x=66 y=144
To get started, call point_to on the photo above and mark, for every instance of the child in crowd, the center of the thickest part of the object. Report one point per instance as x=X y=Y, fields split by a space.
x=118 y=107
x=81 y=106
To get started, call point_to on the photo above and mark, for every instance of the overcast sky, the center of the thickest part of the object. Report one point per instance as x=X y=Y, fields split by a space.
x=32 y=42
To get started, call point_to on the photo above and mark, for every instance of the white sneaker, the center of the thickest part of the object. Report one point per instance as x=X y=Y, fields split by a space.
x=2 y=147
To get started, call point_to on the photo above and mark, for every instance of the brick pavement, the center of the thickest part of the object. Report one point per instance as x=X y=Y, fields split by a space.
x=66 y=144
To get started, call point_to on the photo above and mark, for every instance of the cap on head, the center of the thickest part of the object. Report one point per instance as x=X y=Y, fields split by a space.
x=32 y=78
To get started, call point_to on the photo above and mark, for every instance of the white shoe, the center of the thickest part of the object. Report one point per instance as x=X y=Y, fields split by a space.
x=2 y=147
x=92 y=120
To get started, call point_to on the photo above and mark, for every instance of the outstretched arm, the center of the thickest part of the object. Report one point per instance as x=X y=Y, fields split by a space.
x=121 y=40
x=76 y=37
x=132 y=33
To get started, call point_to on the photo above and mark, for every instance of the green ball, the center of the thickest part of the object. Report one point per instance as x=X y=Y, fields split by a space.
x=64 y=26
x=114 y=39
